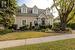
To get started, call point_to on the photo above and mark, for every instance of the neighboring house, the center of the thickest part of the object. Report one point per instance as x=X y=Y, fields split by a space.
x=27 y=16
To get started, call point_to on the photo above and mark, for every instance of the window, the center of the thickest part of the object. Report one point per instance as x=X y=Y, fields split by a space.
x=23 y=10
x=3 y=4
x=23 y=22
x=35 y=11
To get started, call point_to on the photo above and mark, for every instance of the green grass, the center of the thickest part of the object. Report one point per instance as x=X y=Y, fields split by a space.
x=68 y=44
x=25 y=35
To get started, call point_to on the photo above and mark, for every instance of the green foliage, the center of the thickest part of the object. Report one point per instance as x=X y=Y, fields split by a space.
x=66 y=10
x=48 y=30
x=42 y=27
x=45 y=26
x=23 y=28
x=5 y=31
x=14 y=27
x=43 y=30
x=72 y=21
x=71 y=25
x=7 y=18
x=1 y=18
x=68 y=30
x=56 y=27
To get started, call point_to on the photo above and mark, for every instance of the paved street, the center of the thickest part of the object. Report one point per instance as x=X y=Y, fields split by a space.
x=13 y=43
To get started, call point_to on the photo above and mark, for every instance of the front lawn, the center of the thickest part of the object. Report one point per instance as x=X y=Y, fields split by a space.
x=57 y=45
x=24 y=35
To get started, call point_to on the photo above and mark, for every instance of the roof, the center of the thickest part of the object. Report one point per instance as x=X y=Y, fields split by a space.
x=29 y=11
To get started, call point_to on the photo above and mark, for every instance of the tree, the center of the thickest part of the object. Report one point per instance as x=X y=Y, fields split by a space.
x=7 y=12
x=66 y=11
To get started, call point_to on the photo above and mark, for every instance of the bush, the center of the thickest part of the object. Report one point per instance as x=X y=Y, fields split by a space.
x=14 y=26
x=71 y=25
x=43 y=30
x=5 y=31
x=68 y=30
x=42 y=26
x=48 y=26
x=23 y=28
x=56 y=27
x=36 y=28
x=48 y=30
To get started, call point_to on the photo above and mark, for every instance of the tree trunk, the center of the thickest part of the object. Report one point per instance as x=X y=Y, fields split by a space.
x=63 y=25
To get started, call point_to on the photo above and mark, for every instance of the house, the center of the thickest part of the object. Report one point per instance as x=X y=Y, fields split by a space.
x=34 y=15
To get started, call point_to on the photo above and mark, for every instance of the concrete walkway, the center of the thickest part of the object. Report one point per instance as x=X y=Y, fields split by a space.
x=13 y=43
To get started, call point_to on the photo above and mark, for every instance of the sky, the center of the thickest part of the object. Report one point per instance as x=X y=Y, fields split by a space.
x=42 y=4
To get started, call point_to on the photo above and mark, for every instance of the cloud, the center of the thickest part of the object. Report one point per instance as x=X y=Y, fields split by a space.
x=40 y=3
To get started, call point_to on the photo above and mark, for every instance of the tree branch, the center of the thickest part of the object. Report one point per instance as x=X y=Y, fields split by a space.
x=70 y=18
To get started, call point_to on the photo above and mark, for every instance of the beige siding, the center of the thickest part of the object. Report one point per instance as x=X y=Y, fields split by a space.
x=28 y=20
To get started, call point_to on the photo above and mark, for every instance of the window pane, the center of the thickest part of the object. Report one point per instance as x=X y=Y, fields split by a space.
x=24 y=22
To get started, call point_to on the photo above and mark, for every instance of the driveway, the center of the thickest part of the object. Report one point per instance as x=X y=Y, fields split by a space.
x=13 y=43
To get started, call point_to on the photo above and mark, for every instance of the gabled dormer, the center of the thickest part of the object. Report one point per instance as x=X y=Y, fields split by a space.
x=35 y=10
x=23 y=8
x=47 y=11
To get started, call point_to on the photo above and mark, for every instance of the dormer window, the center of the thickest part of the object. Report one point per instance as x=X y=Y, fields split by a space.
x=24 y=9
x=47 y=11
x=35 y=10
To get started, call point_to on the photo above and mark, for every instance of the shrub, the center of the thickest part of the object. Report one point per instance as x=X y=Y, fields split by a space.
x=36 y=28
x=14 y=26
x=43 y=30
x=5 y=31
x=48 y=26
x=68 y=30
x=56 y=27
x=42 y=26
x=48 y=30
x=24 y=28
x=71 y=25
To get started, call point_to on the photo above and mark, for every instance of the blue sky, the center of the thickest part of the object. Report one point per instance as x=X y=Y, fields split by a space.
x=42 y=4
x=20 y=2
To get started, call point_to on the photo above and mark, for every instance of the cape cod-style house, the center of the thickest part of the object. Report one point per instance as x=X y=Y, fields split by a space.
x=34 y=15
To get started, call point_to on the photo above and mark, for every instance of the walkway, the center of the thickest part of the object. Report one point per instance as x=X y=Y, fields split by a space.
x=13 y=43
